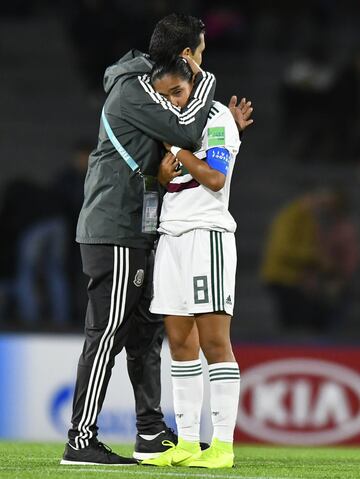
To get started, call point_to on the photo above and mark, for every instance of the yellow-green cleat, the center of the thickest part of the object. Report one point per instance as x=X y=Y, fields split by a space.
x=180 y=455
x=219 y=454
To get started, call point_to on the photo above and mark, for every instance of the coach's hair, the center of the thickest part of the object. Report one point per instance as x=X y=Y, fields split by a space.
x=178 y=66
x=172 y=34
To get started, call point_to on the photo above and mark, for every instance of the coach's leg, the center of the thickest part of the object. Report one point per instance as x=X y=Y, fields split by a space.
x=111 y=302
x=143 y=348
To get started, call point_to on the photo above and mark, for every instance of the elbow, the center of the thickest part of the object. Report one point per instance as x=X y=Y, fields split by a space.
x=215 y=188
x=217 y=181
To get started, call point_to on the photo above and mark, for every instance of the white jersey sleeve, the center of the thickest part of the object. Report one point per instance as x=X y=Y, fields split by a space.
x=221 y=130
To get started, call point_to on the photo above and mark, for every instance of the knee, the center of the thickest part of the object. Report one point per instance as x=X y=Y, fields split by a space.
x=217 y=351
x=183 y=351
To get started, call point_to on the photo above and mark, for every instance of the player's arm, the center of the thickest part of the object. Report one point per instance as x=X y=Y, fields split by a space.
x=221 y=139
x=148 y=111
x=209 y=174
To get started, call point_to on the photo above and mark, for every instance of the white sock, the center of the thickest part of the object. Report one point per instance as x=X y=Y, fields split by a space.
x=224 y=399
x=188 y=386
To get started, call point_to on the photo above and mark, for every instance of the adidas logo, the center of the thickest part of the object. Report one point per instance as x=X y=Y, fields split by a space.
x=228 y=300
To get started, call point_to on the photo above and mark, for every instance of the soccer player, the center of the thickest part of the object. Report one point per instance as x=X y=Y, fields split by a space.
x=116 y=237
x=194 y=276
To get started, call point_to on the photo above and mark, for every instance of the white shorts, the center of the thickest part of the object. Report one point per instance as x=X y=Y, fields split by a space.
x=194 y=273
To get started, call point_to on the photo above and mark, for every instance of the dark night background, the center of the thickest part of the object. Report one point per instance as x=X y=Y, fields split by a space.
x=298 y=62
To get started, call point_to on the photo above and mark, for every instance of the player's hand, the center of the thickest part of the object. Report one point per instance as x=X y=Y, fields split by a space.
x=241 y=112
x=192 y=64
x=168 y=169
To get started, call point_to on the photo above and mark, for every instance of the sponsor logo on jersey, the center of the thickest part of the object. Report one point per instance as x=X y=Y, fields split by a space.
x=228 y=300
x=216 y=136
x=139 y=278
x=300 y=401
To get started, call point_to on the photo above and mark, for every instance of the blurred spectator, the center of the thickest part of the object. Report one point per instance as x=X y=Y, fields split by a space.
x=309 y=120
x=342 y=247
x=33 y=237
x=295 y=262
x=69 y=186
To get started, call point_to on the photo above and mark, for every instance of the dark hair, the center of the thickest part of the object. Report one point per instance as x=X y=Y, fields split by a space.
x=174 y=33
x=178 y=66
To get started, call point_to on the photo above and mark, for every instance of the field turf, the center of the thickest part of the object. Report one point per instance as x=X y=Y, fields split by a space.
x=37 y=461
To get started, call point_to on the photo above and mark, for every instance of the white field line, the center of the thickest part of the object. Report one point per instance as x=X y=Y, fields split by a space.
x=140 y=472
x=129 y=471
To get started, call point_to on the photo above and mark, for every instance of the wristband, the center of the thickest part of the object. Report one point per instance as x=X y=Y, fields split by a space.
x=175 y=150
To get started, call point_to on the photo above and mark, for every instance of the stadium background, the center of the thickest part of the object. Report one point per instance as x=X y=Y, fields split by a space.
x=52 y=57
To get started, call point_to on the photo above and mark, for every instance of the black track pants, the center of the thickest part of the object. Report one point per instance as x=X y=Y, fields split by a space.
x=118 y=316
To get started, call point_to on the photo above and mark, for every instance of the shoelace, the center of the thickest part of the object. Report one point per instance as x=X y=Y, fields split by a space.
x=168 y=443
x=104 y=447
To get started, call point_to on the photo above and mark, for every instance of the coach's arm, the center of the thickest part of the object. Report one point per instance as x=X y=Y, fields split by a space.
x=151 y=113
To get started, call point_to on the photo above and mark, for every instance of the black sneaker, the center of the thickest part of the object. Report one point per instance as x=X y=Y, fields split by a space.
x=96 y=453
x=151 y=448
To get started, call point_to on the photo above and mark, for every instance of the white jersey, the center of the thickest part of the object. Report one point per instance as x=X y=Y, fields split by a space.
x=188 y=205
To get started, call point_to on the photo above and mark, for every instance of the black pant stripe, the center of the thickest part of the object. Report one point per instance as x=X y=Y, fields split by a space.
x=118 y=298
x=84 y=432
x=118 y=316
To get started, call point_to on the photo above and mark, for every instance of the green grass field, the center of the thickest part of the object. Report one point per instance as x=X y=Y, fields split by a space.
x=37 y=461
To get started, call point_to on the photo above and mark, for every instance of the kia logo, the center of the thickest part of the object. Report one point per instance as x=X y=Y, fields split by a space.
x=300 y=401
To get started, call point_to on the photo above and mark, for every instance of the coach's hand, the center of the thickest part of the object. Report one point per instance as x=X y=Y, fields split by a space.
x=192 y=64
x=168 y=169
x=241 y=112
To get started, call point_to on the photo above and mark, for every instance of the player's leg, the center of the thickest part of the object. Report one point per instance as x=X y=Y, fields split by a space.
x=187 y=383
x=143 y=348
x=186 y=369
x=186 y=375
x=214 y=285
x=224 y=374
x=112 y=298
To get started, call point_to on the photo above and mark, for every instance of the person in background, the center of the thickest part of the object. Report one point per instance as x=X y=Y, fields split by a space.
x=33 y=218
x=295 y=260
x=68 y=184
x=342 y=247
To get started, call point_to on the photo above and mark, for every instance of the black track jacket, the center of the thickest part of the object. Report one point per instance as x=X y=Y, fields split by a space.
x=140 y=119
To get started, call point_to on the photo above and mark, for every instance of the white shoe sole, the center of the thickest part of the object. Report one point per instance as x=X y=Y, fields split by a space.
x=64 y=462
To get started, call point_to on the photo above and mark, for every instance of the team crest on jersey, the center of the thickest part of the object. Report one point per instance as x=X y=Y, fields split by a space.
x=139 y=278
